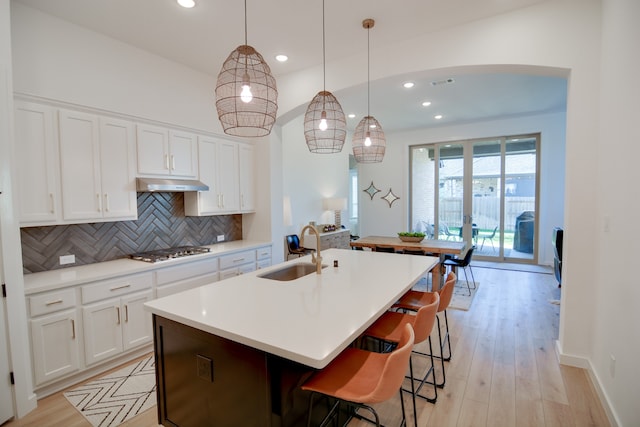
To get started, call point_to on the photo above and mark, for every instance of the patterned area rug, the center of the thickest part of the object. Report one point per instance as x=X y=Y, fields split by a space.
x=461 y=299
x=117 y=397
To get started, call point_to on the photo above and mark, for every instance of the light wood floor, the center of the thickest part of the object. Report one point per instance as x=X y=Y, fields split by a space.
x=503 y=372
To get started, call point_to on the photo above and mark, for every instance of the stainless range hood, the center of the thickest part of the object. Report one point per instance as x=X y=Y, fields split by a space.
x=145 y=185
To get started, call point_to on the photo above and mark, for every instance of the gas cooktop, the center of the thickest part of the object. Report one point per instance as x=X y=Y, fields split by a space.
x=169 y=253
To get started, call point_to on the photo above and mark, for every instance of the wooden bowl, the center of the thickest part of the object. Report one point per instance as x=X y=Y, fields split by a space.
x=411 y=239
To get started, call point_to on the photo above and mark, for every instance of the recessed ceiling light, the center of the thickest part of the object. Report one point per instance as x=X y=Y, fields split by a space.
x=438 y=117
x=408 y=85
x=187 y=3
x=426 y=103
x=281 y=58
x=352 y=116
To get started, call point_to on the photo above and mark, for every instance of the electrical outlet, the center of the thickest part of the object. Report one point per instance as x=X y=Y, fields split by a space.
x=220 y=237
x=612 y=366
x=67 y=259
x=205 y=368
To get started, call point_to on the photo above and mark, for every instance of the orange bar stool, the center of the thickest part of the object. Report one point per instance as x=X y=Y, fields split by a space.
x=413 y=300
x=362 y=378
x=388 y=328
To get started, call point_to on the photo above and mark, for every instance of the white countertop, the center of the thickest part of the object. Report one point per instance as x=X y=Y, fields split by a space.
x=55 y=279
x=309 y=320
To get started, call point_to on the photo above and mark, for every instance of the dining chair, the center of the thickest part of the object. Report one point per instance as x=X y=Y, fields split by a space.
x=464 y=263
x=412 y=300
x=388 y=329
x=362 y=378
x=294 y=248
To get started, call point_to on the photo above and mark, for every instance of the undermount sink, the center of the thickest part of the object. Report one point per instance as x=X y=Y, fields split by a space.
x=291 y=272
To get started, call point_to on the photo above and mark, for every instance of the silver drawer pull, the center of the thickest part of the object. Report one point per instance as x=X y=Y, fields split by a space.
x=128 y=285
x=238 y=260
x=73 y=329
x=58 y=301
x=118 y=315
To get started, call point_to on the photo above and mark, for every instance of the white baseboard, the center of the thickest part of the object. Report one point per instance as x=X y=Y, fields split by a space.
x=584 y=363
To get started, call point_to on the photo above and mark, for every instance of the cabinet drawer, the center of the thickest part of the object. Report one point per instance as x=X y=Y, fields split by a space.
x=264 y=263
x=239 y=258
x=53 y=301
x=263 y=253
x=185 y=271
x=183 y=285
x=116 y=287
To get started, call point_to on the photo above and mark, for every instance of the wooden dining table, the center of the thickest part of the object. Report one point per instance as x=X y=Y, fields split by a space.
x=428 y=246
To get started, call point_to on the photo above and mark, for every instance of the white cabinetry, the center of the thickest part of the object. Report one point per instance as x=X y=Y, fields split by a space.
x=218 y=165
x=188 y=276
x=166 y=152
x=36 y=149
x=263 y=256
x=54 y=335
x=246 y=157
x=97 y=167
x=119 y=323
x=237 y=263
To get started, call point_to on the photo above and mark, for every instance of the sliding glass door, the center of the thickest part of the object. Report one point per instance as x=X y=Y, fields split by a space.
x=482 y=191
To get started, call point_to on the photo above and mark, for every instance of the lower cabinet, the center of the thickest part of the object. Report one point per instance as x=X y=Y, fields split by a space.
x=55 y=345
x=237 y=263
x=116 y=325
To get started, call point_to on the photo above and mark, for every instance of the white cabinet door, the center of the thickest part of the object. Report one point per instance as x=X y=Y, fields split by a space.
x=218 y=167
x=55 y=346
x=152 y=144
x=137 y=328
x=166 y=152
x=117 y=167
x=183 y=154
x=246 y=156
x=228 y=176
x=36 y=150
x=102 y=330
x=80 y=166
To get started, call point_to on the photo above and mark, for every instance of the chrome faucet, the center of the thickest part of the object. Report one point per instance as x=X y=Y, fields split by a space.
x=315 y=256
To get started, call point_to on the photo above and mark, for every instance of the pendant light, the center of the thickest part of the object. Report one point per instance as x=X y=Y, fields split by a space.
x=325 y=127
x=369 y=143
x=246 y=93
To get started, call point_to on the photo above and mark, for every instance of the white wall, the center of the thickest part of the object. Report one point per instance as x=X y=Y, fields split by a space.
x=616 y=330
x=377 y=218
x=10 y=257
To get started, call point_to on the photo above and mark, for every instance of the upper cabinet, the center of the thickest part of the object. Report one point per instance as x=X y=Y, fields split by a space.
x=227 y=167
x=218 y=165
x=165 y=152
x=97 y=167
x=36 y=150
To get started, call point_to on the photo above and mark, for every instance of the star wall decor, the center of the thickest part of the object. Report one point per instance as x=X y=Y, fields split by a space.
x=371 y=190
x=390 y=197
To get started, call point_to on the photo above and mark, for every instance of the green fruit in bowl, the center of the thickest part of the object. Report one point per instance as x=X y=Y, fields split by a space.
x=410 y=234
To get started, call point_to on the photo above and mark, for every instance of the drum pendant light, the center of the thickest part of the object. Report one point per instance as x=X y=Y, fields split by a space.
x=246 y=93
x=369 y=143
x=325 y=127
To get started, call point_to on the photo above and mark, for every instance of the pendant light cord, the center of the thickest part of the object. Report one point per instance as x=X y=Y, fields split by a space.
x=324 y=59
x=368 y=75
x=245 y=22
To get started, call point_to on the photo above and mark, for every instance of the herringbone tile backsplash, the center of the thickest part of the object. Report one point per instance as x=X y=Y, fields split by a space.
x=161 y=224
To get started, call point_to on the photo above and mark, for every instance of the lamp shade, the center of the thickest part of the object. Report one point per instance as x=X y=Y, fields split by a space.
x=373 y=151
x=335 y=204
x=329 y=138
x=246 y=67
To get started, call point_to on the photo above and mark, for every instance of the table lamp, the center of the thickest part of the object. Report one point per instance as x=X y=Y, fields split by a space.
x=336 y=204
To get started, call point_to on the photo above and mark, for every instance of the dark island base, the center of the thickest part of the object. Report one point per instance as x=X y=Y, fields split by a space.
x=205 y=380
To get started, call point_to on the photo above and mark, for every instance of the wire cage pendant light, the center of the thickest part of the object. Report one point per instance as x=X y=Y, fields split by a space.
x=246 y=92
x=325 y=126
x=369 y=143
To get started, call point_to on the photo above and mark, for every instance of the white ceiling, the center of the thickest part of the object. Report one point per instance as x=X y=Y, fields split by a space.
x=203 y=37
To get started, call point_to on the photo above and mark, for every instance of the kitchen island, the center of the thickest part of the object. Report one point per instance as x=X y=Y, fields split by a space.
x=235 y=352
